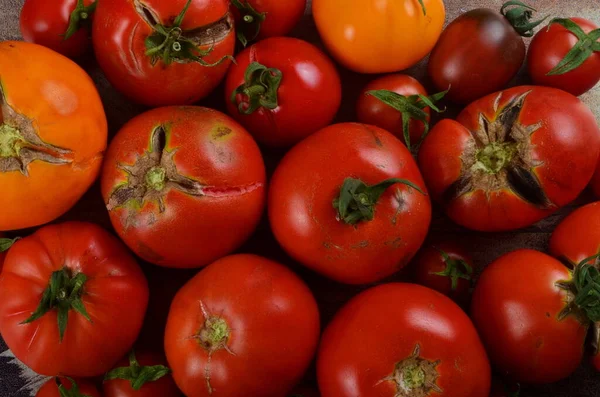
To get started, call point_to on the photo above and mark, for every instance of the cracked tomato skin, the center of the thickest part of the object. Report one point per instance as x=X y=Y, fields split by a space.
x=305 y=222
x=273 y=323
x=119 y=33
x=308 y=97
x=516 y=306
x=577 y=237
x=281 y=16
x=208 y=214
x=39 y=84
x=45 y=23
x=556 y=142
x=115 y=296
x=50 y=388
x=383 y=326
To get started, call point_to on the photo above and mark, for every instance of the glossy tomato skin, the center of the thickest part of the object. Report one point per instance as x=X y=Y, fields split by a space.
x=520 y=288
x=308 y=98
x=547 y=172
x=273 y=324
x=305 y=222
x=550 y=46
x=163 y=387
x=115 y=296
x=577 y=237
x=45 y=23
x=477 y=54
x=370 y=110
x=376 y=36
x=39 y=84
x=119 y=33
x=213 y=188
x=280 y=16
x=395 y=319
x=50 y=388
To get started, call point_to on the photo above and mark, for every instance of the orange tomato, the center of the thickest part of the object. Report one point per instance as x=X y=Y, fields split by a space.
x=53 y=134
x=379 y=36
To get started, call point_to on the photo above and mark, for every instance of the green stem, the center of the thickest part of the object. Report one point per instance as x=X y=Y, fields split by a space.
x=260 y=88
x=136 y=374
x=519 y=15
x=586 y=45
x=6 y=243
x=252 y=20
x=79 y=16
x=455 y=269
x=64 y=392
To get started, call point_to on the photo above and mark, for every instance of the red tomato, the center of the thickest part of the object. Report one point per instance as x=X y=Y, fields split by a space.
x=73 y=300
x=480 y=52
x=530 y=318
x=512 y=158
x=446 y=267
x=140 y=375
x=63 y=25
x=56 y=387
x=389 y=101
x=183 y=186
x=160 y=52
x=244 y=326
x=259 y=19
x=577 y=237
x=548 y=62
x=282 y=90
x=345 y=203
x=402 y=340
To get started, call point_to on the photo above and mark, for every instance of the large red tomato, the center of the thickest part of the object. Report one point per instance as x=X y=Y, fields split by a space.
x=184 y=186
x=566 y=55
x=160 y=52
x=512 y=158
x=140 y=375
x=402 y=340
x=63 y=25
x=244 y=326
x=259 y=19
x=63 y=387
x=282 y=90
x=531 y=317
x=73 y=300
x=350 y=203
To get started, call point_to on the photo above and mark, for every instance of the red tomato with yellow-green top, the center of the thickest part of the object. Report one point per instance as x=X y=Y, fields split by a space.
x=63 y=387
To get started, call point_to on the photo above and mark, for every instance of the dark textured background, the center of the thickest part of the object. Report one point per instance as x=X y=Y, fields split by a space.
x=15 y=380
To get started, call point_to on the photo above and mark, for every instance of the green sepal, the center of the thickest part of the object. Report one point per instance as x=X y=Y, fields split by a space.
x=6 y=243
x=455 y=269
x=136 y=374
x=586 y=45
x=520 y=17
x=73 y=392
x=423 y=7
x=251 y=22
x=80 y=15
x=260 y=87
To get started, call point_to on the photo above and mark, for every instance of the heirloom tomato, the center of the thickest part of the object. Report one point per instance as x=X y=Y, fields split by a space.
x=402 y=340
x=533 y=315
x=140 y=375
x=63 y=25
x=67 y=387
x=566 y=55
x=282 y=90
x=73 y=300
x=350 y=203
x=160 y=52
x=481 y=51
x=52 y=134
x=511 y=158
x=244 y=326
x=184 y=186
x=379 y=36
x=260 y=19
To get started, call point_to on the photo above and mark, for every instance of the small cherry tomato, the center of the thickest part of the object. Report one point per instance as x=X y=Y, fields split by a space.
x=402 y=340
x=533 y=315
x=67 y=387
x=282 y=90
x=61 y=25
x=399 y=104
x=260 y=19
x=566 y=55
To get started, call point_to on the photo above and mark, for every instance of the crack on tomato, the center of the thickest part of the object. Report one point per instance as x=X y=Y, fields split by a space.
x=20 y=143
x=500 y=157
x=401 y=203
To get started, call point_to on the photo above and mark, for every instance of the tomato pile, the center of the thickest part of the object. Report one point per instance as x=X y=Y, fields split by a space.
x=170 y=302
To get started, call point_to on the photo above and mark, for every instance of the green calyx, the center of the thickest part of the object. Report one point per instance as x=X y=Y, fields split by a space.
x=81 y=15
x=495 y=156
x=585 y=288
x=156 y=178
x=63 y=293
x=11 y=141
x=136 y=374
x=410 y=107
x=519 y=15
x=357 y=200
x=456 y=269
x=259 y=89
x=251 y=21
x=6 y=243
x=73 y=392
x=214 y=334
x=413 y=377
x=586 y=45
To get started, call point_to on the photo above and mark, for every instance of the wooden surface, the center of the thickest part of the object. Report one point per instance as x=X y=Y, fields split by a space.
x=485 y=247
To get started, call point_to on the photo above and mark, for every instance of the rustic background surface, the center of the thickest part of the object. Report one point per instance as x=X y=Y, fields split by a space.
x=15 y=380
